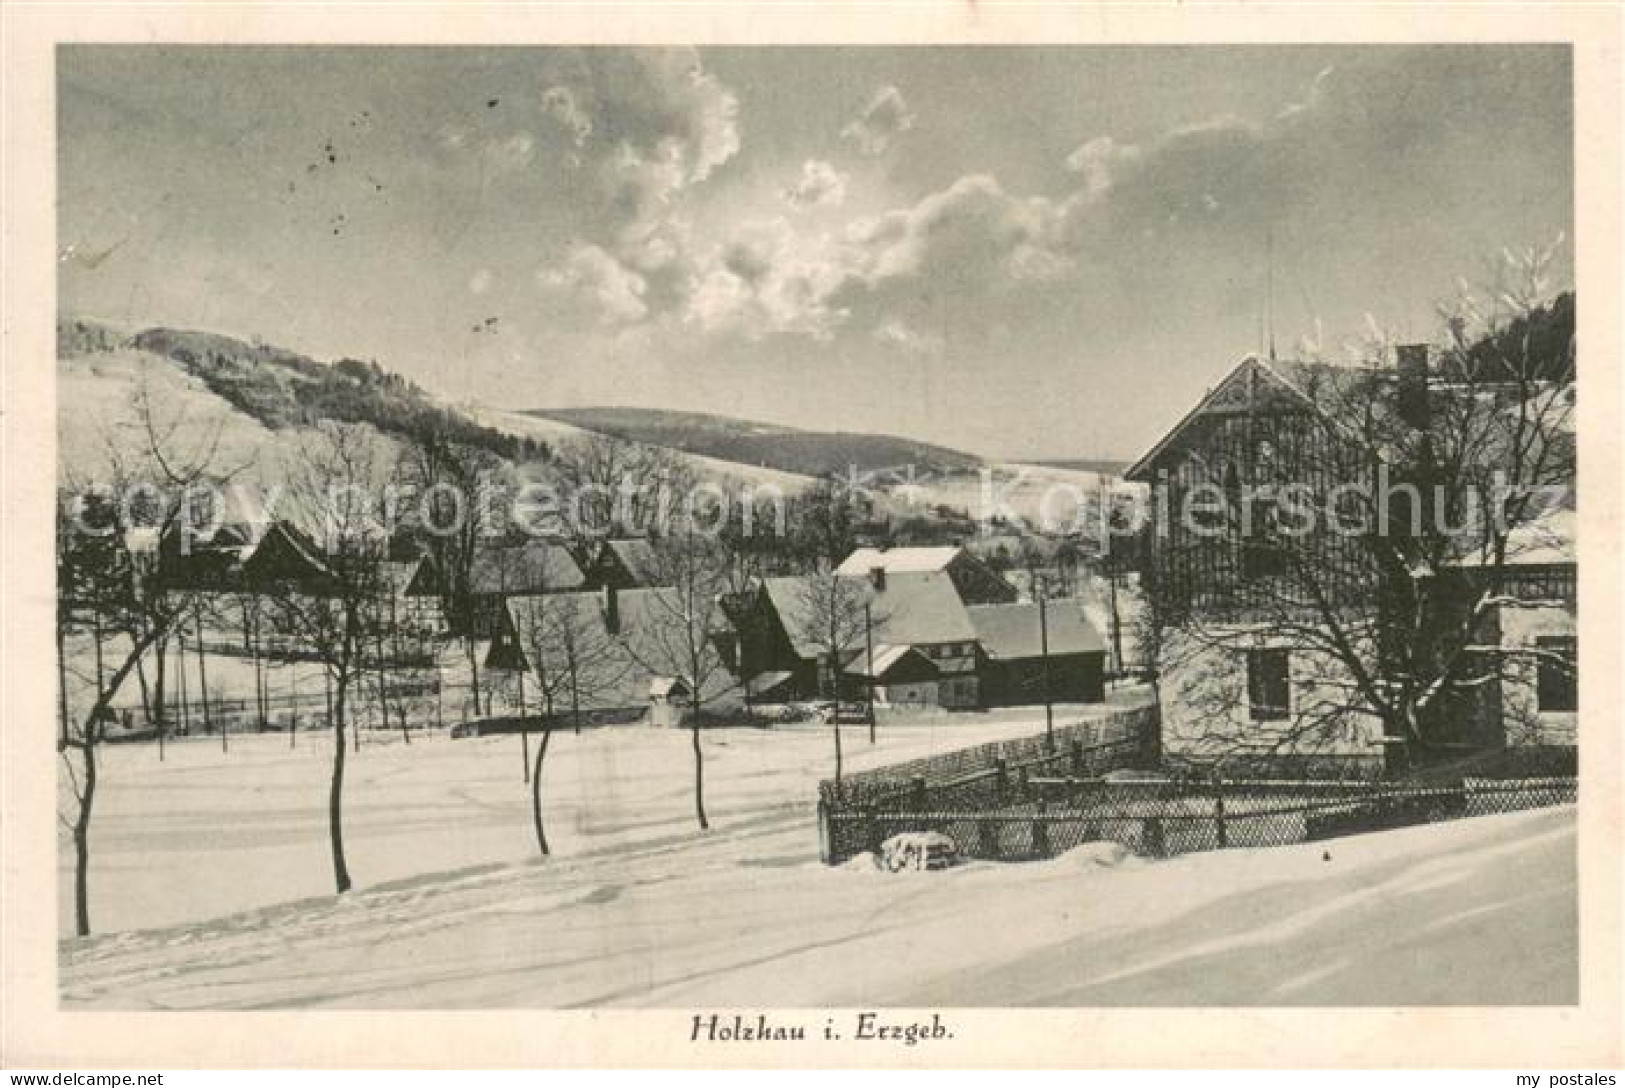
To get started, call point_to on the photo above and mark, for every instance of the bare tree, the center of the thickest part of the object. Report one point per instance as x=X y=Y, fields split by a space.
x=610 y=487
x=573 y=658
x=456 y=521
x=250 y=610
x=675 y=637
x=118 y=593
x=834 y=614
x=339 y=480
x=823 y=523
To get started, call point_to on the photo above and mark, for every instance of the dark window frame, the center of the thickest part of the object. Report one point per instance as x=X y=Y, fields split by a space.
x=1557 y=687
x=1269 y=684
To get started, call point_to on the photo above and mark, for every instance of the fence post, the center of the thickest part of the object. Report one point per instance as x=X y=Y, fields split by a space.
x=1218 y=813
x=1001 y=778
x=1155 y=842
x=987 y=830
x=826 y=850
x=1041 y=831
x=875 y=831
x=1077 y=757
x=917 y=790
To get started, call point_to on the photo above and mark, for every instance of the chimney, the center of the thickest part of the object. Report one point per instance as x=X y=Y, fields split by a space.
x=1412 y=363
x=612 y=609
x=877 y=578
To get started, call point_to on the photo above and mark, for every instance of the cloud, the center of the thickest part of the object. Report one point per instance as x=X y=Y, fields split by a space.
x=884 y=118
x=820 y=185
x=904 y=338
x=1099 y=161
x=647 y=126
x=1355 y=131
x=513 y=152
x=452 y=137
x=592 y=276
x=499 y=153
x=948 y=250
x=900 y=277
x=970 y=257
x=650 y=123
x=768 y=279
x=560 y=104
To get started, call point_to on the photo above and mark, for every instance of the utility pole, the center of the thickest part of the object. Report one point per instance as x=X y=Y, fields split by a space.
x=1269 y=289
x=180 y=675
x=869 y=665
x=62 y=673
x=1117 y=622
x=251 y=634
x=203 y=683
x=524 y=726
x=1043 y=654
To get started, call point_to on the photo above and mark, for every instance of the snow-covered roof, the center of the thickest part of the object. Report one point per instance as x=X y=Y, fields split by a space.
x=645 y=642
x=662 y=687
x=1546 y=540
x=1335 y=390
x=898 y=560
x=921 y=609
x=142 y=539
x=536 y=566
x=1010 y=632
x=887 y=657
x=912 y=610
x=764 y=683
x=639 y=558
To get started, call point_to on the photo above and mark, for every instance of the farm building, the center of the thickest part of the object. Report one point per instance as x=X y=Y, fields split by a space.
x=918 y=611
x=1301 y=644
x=1027 y=652
x=502 y=572
x=603 y=654
x=901 y=676
x=973 y=580
x=624 y=564
x=913 y=635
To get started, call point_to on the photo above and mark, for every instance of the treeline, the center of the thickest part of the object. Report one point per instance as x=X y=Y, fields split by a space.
x=748 y=442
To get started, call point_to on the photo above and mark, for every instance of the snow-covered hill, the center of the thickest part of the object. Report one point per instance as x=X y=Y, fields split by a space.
x=259 y=398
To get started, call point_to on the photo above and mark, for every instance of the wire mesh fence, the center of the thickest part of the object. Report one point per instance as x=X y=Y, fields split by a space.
x=1041 y=806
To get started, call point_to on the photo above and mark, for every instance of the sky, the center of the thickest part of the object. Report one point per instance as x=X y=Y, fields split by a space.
x=1022 y=252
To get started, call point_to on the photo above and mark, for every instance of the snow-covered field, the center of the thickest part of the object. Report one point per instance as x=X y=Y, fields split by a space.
x=207 y=833
x=1057 y=500
x=638 y=908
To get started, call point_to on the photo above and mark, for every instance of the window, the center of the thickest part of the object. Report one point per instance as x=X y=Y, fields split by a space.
x=1261 y=560
x=1269 y=692
x=1558 y=682
x=1261 y=557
